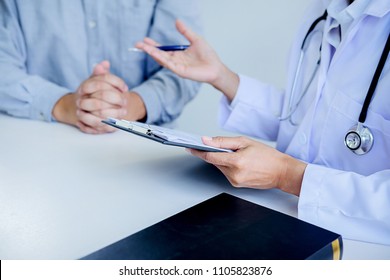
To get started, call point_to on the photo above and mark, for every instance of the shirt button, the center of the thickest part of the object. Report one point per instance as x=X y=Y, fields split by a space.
x=92 y=24
x=303 y=139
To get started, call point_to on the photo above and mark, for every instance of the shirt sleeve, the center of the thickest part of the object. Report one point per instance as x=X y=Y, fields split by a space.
x=333 y=199
x=22 y=94
x=164 y=93
x=254 y=111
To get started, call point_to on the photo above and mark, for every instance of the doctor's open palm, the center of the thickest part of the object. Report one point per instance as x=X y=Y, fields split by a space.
x=199 y=62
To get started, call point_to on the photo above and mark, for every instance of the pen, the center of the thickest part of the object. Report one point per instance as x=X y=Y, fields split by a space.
x=170 y=48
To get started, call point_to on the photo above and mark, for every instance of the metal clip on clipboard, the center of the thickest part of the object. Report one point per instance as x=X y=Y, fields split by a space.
x=163 y=135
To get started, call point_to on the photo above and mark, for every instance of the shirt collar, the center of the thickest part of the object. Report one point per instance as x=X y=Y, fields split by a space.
x=339 y=10
x=376 y=8
x=342 y=15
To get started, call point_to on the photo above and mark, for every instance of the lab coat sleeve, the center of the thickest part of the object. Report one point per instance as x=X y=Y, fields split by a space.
x=355 y=206
x=164 y=93
x=22 y=94
x=254 y=111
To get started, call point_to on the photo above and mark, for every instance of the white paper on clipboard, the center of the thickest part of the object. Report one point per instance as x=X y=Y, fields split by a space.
x=163 y=135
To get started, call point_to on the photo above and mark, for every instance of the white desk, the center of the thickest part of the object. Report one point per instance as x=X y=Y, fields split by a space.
x=65 y=194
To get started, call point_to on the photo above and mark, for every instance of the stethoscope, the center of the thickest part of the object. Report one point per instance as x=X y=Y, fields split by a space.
x=359 y=139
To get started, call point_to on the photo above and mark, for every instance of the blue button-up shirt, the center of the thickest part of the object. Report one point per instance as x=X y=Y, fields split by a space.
x=47 y=48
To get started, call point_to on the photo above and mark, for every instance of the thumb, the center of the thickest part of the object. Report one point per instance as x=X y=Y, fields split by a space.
x=101 y=68
x=232 y=143
x=186 y=32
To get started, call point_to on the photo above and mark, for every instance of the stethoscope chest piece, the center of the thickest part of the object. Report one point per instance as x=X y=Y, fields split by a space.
x=359 y=139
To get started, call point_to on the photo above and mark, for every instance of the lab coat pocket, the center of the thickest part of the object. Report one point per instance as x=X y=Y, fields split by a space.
x=342 y=115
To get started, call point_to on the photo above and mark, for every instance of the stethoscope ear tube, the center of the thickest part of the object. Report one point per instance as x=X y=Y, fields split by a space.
x=292 y=108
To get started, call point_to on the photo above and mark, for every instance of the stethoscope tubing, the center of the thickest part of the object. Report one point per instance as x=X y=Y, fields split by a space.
x=358 y=133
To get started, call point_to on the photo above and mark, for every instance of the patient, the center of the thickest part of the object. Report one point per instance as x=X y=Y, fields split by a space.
x=70 y=62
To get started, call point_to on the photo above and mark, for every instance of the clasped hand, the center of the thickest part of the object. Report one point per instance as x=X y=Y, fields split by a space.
x=99 y=97
x=102 y=95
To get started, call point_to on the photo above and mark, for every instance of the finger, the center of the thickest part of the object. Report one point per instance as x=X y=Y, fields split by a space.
x=93 y=104
x=103 y=82
x=151 y=42
x=232 y=143
x=113 y=80
x=94 y=120
x=112 y=97
x=86 y=129
x=98 y=70
x=101 y=68
x=186 y=32
x=90 y=130
x=93 y=85
x=158 y=55
x=89 y=119
x=117 y=113
x=215 y=158
x=165 y=59
x=106 y=64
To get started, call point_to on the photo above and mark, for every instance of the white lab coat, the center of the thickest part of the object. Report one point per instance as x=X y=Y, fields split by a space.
x=341 y=191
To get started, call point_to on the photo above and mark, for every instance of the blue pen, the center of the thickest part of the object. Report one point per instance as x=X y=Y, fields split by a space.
x=171 y=48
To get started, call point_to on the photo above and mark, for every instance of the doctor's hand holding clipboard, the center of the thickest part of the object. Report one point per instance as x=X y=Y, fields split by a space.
x=253 y=164
x=331 y=124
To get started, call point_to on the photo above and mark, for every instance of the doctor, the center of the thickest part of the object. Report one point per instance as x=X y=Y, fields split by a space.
x=331 y=124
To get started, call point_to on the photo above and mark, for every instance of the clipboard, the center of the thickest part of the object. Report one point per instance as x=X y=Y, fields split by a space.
x=163 y=135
